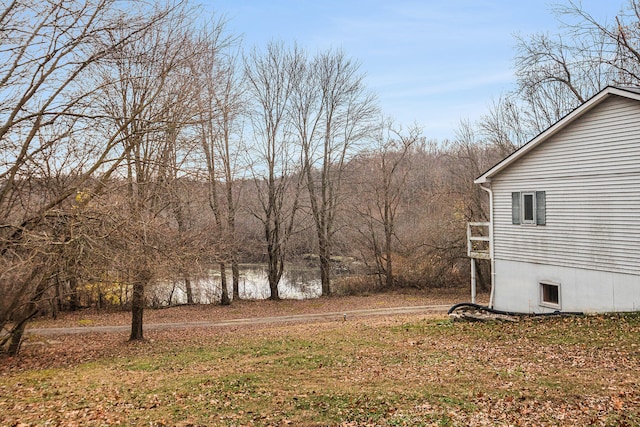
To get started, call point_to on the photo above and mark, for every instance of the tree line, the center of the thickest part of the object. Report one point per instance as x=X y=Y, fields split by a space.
x=140 y=143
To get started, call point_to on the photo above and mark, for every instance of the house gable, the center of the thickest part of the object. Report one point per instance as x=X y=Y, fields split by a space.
x=568 y=120
x=589 y=169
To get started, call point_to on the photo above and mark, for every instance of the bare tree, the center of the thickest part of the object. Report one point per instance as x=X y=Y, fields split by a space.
x=221 y=113
x=49 y=144
x=557 y=73
x=271 y=77
x=388 y=166
x=332 y=112
x=140 y=97
x=554 y=76
x=610 y=46
x=468 y=157
x=503 y=126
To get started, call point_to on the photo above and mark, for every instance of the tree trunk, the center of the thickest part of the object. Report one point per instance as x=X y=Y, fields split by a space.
x=224 y=296
x=325 y=268
x=235 y=272
x=16 y=334
x=173 y=290
x=389 y=279
x=231 y=225
x=137 y=308
x=16 y=340
x=31 y=310
x=274 y=277
x=273 y=286
x=189 y=290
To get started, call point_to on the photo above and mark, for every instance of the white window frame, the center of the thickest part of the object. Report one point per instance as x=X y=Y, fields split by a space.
x=550 y=304
x=533 y=219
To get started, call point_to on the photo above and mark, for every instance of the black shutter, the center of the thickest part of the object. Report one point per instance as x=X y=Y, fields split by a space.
x=515 y=207
x=541 y=208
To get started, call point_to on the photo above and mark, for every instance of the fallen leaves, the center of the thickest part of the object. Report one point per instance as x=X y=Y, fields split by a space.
x=404 y=370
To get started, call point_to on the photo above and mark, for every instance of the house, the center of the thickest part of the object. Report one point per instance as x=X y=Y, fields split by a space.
x=565 y=213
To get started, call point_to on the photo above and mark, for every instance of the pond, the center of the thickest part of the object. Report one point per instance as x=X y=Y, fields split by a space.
x=299 y=281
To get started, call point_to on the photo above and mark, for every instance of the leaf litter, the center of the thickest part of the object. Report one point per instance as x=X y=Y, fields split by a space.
x=407 y=370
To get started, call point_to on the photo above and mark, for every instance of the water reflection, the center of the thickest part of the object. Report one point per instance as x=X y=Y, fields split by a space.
x=298 y=282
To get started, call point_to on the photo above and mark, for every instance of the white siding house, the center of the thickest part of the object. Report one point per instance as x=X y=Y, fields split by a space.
x=565 y=213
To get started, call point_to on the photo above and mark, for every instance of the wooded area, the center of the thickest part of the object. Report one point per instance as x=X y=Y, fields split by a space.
x=140 y=145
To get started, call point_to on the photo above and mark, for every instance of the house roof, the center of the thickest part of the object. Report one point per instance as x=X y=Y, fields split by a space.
x=631 y=93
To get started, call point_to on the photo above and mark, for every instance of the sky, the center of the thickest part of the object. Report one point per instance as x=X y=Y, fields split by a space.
x=430 y=62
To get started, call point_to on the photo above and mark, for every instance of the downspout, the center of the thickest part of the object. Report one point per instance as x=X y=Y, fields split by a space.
x=491 y=250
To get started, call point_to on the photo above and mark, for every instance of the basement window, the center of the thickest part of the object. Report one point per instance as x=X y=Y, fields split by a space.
x=550 y=295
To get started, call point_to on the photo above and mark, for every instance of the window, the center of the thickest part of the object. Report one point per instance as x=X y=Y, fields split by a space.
x=528 y=204
x=550 y=295
x=528 y=207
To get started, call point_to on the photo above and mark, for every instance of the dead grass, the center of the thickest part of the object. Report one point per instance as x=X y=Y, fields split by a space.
x=408 y=370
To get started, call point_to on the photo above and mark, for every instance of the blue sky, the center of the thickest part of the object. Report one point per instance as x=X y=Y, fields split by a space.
x=430 y=62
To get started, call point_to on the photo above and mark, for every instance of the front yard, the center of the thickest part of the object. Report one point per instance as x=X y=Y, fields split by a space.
x=408 y=370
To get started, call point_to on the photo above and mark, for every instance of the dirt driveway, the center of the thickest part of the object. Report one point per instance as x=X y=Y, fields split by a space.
x=242 y=312
x=311 y=317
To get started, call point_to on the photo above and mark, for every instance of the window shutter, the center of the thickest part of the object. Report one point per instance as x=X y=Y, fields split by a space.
x=541 y=208
x=515 y=207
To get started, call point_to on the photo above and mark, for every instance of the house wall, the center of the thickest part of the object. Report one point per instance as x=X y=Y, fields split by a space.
x=590 y=171
x=581 y=290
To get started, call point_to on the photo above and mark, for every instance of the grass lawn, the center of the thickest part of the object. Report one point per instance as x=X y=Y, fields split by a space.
x=395 y=371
